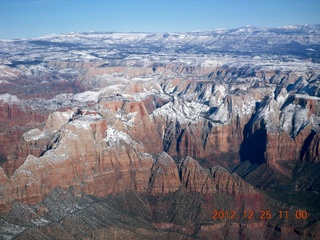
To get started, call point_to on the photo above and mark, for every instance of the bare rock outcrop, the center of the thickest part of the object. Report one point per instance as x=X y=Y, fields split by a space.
x=164 y=175
x=14 y=121
x=217 y=180
x=95 y=158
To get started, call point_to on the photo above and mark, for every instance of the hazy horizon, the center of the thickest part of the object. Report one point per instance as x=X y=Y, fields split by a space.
x=36 y=18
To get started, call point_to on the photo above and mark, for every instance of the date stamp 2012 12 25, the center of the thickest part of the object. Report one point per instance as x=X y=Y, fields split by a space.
x=262 y=214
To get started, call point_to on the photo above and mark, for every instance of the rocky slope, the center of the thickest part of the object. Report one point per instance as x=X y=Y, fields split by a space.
x=159 y=138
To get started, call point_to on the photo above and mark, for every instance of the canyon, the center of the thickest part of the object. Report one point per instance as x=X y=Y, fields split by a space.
x=144 y=136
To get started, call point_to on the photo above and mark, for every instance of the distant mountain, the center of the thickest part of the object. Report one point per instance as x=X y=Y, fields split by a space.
x=300 y=41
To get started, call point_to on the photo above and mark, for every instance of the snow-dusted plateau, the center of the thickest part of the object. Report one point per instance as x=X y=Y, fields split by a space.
x=198 y=135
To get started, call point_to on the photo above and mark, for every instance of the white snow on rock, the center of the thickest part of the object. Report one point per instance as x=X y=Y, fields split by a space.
x=307 y=96
x=300 y=120
x=7 y=74
x=8 y=98
x=33 y=135
x=221 y=115
x=88 y=96
x=282 y=97
x=245 y=108
x=211 y=63
x=39 y=222
x=116 y=138
x=182 y=111
x=126 y=118
x=269 y=111
x=294 y=118
x=286 y=118
x=69 y=134
x=221 y=89
x=85 y=121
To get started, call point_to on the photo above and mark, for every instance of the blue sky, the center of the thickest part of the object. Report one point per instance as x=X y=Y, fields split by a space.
x=34 y=18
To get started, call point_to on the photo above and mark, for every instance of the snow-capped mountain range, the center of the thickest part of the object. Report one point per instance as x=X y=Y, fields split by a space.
x=300 y=41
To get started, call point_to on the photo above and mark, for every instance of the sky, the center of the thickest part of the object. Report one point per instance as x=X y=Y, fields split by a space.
x=35 y=18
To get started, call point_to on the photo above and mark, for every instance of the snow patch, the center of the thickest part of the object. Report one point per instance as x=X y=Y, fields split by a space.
x=244 y=107
x=294 y=118
x=8 y=98
x=69 y=134
x=39 y=222
x=304 y=96
x=128 y=118
x=88 y=96
x=116 y=138
x=300 y=120
x=221 y=115
x=182 y=111
x=84 y=122
x=286 y=118
x=33 y=135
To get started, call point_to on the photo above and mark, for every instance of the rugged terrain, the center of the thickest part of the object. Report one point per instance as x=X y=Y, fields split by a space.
x=144 y=136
